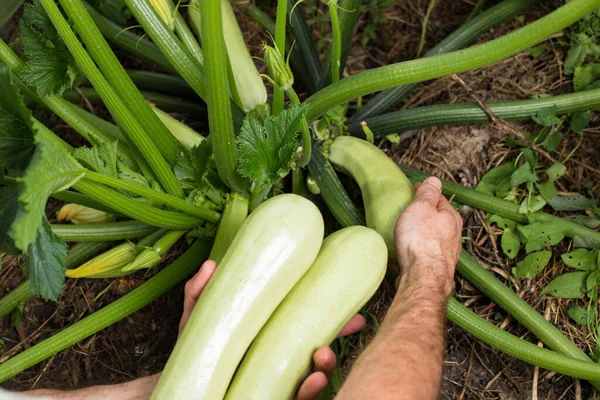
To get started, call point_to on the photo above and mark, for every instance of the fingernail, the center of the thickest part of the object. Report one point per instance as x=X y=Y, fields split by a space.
x=432 y=180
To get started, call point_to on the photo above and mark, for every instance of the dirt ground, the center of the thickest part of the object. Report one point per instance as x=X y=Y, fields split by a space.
x=140 y=344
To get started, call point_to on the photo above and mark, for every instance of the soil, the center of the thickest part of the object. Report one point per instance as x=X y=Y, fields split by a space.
x=140 y=344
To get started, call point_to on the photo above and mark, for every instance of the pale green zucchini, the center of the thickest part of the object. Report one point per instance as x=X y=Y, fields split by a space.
x=386 y=191
x=273 y=249
x=345 y=275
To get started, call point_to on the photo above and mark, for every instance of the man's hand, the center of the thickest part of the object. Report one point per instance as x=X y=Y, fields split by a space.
x=324 y=357
x=428 y=239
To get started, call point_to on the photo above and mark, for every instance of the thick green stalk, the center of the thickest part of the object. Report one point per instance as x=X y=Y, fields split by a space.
x=115 y=105
x=123 y=85
x=310 y=67
x=77 y=254
x=304 y=130
x=185 y=64
x=163 y=101
x=467 y=113
x=69 y=196
x=122 y=230
x=337 y=43
x=154 y=195
x=527 y=316
x=332 y=191
x=7 y=9
x=456 y=62
x=219 y=108
x=234 y=215
x=126 y=305
x=280 y=34
x=477 y=9
x=519 y=348
x=460 y=38
x=134 y=209
x=162 y=83
x=128 y=41
x=348 y=19
x=65 y=111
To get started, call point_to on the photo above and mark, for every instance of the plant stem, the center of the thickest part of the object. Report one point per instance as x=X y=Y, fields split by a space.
x=348 y=20
x=219 y=107
x=162 y=83
x=234 y=215
x=299 y=182
x=19 y=295
x=467 y=113
x=519 y=348
x=185 y=64
x=128 y=41
x=337 y=43
x=83 y=200
x=162 y=101
x=116 y=107
x=154 y=195
x=504 y=208
x=430 y=8
x=332 y=191
x=280 y=34
x=304 y=57
x=122 y=230
x=134 y=209
x=460 y=38
x=304 y=130
x=126 y=305
x=527 y=316
x=116 y=75
x=258 y=195
x=477 y=9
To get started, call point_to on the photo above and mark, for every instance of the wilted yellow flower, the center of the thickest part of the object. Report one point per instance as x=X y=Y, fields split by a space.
x=79 y=214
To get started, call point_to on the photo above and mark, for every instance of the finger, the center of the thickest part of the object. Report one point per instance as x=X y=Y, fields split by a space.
x=355 y=324
x=324 y=359
x=444 y=205
x=312 y=386
x=429 y=192
x=193 y=289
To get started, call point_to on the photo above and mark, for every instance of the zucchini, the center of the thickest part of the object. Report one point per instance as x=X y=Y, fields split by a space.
x=386 y=191
x=272 y=250
x=345 y=275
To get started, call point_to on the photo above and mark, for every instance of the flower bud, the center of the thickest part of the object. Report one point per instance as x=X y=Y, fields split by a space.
x=107 y=264
x=78 y=214
x=281 y=74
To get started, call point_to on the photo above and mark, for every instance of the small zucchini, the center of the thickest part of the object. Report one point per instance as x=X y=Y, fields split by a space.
x=386 y=191
x=346 y=273
x=270 y=253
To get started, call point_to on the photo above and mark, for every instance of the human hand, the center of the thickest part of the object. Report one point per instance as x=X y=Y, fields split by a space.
x=324 y=357
x=428 y=238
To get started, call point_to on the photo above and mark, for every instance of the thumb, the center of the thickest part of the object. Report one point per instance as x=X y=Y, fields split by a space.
x=429 y=192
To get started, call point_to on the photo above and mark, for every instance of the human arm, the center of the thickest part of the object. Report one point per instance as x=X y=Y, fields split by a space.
x=404 y=360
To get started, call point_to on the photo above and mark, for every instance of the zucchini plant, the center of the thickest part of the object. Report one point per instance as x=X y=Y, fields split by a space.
x=144 y=181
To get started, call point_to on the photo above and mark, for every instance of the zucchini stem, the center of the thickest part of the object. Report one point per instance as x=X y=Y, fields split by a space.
x=234 y=215
x=102 y=232
x=304 y=130
x=337 y=43
x=280 y=31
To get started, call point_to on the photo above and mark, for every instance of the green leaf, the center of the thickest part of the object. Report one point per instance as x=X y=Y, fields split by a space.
x=532 y=204
x=571 y=203
x=581 y=120
x=581 y=259
x=8 y=211
x=16 y=131
x=522 y=174
x=510 y=243
x=51 y=169
x=50 y=67
x=501 y=222
x=585 y=76
x=393 y=138
x=532 y=265
x=555 y=171
x=267 y=151
x=575 y=57
x=538 y=50
x=99 y=158
x=542 y=234
x=547 y=117
x=552 y=141
x=585 y=220
x=547 y=190
x=567 y=286
x=45 y=263
x=583 y=317
x=112 y=9
x=497 y=179
x=127 y=174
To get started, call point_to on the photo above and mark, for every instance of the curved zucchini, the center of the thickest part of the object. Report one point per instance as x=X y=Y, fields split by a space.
x=386 y=191
x=274 y=247
x=345 y=275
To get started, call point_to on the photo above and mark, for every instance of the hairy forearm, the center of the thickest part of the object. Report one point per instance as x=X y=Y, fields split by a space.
x=139 y=389
x=404 y=360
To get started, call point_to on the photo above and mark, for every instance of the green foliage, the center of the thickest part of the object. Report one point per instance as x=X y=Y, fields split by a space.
x=581 y=259
x=112 y=9
x=542 y=234
x=583 y=317
x=567 y=286
x=532 y=265
x=267 y=151
x=8 y=199
x=50 y=67
x=45 y=263
x=16 y=128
